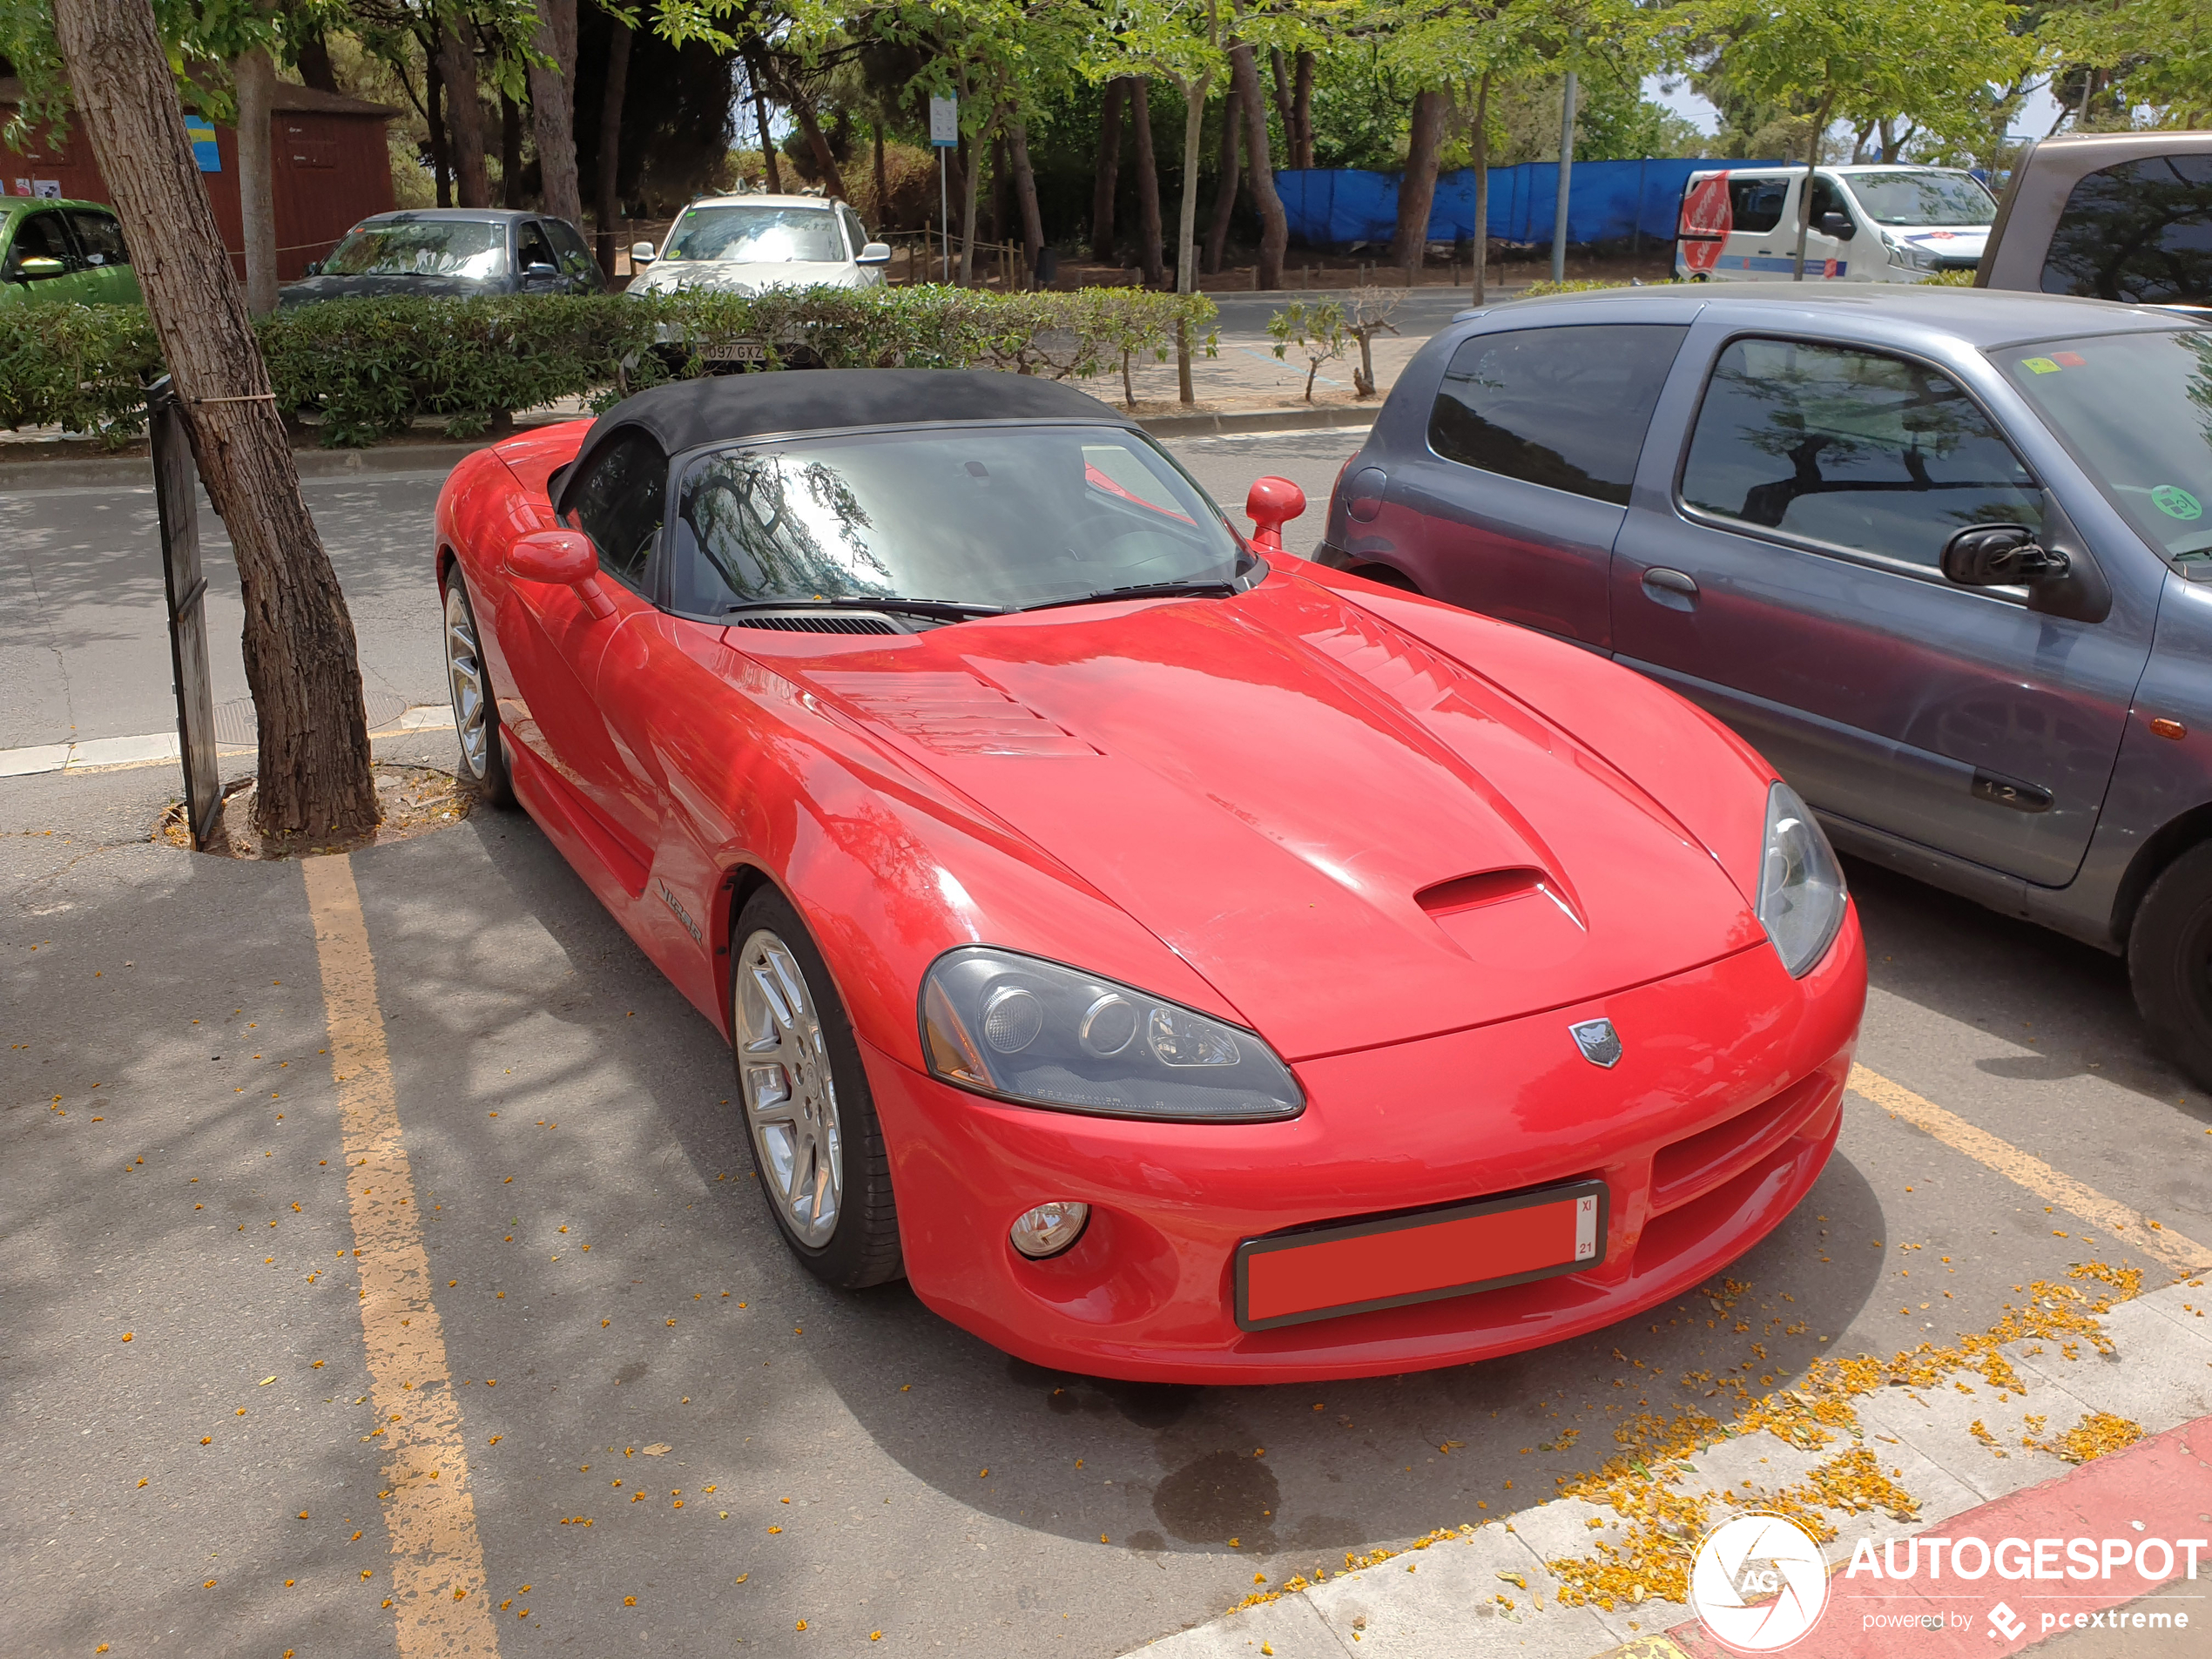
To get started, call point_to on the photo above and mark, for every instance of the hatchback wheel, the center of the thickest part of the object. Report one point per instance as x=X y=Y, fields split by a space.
x=817 y=1146
x=476 y=711
x=2170 y=962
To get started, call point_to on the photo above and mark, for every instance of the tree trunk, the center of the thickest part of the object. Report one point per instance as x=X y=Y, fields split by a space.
x=1109 y=170
x=999 y=180
x=299 y=643
x=510 y=152
x=315 y=69
x=255 y=78
x=802 y=109
x=553 y=109
x=1186 y=220
x=1417 y=194
x=609 y=157
x=1285 y=107
x=434 y=86
x=1025 y=196
x=1804 y=196
x=882 y=184
x=1302 y=107
x=972 y=187
x=1274 y=228
x=1482 y=158
x=757 y=77
x=1224 y=196
x=1148 y=184
x=464 y=114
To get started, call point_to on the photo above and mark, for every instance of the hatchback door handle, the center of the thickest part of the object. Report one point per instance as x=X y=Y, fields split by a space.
x=1670 y=588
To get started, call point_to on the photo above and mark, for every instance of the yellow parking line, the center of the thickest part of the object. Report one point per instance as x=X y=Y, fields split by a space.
x=2177 y=1251
x=438 y=1559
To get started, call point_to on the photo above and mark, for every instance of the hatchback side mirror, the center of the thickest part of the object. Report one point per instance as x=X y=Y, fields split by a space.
x=38 y=266
x=1271 y=503
x=564 y=558
x=539 y=270
x=2000 y=555
x=641 y=252
x=874 y=254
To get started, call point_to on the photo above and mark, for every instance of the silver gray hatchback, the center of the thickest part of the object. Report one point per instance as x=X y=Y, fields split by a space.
x=1943 y=555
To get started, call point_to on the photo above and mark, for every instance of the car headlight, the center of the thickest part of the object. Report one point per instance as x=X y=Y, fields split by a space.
x=1026 y=1029
x=1800 y=886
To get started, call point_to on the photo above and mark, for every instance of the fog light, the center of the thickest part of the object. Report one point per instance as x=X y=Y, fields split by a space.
x=1050 y=1228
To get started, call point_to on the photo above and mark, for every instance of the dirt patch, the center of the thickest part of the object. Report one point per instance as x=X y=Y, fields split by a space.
x=415 y=799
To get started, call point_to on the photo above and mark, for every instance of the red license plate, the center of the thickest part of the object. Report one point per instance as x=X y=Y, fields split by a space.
x=1354 y=1267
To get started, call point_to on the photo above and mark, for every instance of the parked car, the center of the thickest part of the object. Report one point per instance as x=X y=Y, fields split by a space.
x=1873 y=223
x=1941 y=555
x=69 y=253
x=747 y=243
x=2115 y=215
x=451 y=252
x=948 y=749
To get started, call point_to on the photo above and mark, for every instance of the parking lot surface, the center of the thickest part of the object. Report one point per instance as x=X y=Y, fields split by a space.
x=571 y=1373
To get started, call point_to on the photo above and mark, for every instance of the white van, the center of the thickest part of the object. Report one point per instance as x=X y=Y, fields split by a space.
x=1874 y=223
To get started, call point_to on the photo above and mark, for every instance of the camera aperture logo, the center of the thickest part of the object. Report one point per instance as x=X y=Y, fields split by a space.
x=1758 y=1583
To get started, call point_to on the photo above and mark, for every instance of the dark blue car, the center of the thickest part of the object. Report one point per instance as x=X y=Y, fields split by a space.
x=1943 y=555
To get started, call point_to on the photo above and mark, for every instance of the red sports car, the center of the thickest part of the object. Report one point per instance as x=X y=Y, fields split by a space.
x=1177 y=959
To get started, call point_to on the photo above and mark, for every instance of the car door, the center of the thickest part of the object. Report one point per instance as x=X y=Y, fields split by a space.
x=556 y=651
x=533 y=249
x=1757 y=203
x=99 y=240
x=1533 y=439
x=578 y=268
x=1780 y=567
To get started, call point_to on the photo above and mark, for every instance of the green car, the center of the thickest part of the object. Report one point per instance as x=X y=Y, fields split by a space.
x=65 y=252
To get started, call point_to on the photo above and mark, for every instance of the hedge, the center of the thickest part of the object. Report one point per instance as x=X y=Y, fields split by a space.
x=366 y=369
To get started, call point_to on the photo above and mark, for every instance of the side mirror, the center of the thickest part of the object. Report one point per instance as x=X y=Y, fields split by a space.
x=563 y=558
x=38 y=266
x=1271 y=503
x=2000 y=555
x=874 y=254
x=641 y=253
x=539 y=270
x=314 y=268
x=1838 y=226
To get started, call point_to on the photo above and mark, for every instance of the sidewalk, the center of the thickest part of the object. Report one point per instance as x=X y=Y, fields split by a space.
x=1930 y=1453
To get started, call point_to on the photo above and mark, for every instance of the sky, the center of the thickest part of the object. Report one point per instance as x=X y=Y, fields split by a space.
x=2037 y=111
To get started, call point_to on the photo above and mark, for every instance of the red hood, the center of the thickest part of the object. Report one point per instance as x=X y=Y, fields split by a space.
x=1268 y=783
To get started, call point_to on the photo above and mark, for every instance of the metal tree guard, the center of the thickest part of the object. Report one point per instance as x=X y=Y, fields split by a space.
x=175 y=481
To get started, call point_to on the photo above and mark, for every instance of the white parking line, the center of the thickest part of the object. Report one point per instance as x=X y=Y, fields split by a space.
x=157 y=748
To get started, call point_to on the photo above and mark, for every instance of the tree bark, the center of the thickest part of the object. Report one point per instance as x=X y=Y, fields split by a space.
x=553 y=109
x=882 y=183
x=510 y=152
x=1301 y=142
x=1804 y=196
x=609 y=204
x=1417 y=193
x=464 y=114
x=757 y=77
x=1186 y=219
x=1109 y=170
x=1224 y=198
x=999 y=182
x=1148 y=185
x=434 y=84
x=972 y=188
x=1025 y=195
x=802 y=109
x=1285 y=109
x=1274 y=228
x=315 y=68
x=1481 y=160
x=254 y=76
x=299 y=641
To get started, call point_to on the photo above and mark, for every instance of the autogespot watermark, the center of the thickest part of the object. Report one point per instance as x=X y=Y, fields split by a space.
x=1759 y=1583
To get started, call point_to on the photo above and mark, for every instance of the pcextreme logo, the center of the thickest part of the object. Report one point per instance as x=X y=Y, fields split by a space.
x=1758 y=1583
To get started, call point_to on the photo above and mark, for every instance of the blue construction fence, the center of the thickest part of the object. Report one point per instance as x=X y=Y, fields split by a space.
x=1606 y=201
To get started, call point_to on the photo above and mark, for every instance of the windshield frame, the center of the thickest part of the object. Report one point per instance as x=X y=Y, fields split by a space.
x=705 y=210
x=1853 y=181
x=2180 y=563
x=1252 y=565
x=501 y=243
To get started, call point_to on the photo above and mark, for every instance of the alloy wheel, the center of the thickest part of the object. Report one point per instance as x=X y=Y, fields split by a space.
x=465 y=675
x=789 y=1090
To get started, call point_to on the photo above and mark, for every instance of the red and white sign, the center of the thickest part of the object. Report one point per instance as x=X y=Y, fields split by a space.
x=1707 y=218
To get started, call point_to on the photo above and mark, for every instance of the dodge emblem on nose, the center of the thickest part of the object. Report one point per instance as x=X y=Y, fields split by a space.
x=1598 y=1041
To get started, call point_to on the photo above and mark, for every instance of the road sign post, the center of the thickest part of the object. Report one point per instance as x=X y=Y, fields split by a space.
x=944 y=134
x=175 y=482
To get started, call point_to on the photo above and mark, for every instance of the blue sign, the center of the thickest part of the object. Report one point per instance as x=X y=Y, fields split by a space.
x=201 y=132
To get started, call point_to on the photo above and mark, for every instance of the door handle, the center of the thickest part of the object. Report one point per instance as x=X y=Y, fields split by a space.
x=1670 y=588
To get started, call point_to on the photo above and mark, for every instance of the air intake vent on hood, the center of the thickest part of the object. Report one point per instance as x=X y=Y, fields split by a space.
x=816 y=622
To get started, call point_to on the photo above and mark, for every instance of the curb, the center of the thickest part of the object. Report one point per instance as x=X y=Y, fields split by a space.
x=109 y=471
x=1445 y=1596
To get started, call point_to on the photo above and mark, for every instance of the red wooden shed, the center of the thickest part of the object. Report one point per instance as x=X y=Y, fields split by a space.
x=331 y=165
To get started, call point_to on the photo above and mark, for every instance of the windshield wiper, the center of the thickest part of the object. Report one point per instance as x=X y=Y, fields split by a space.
x=945 y=609
x=1146 y=591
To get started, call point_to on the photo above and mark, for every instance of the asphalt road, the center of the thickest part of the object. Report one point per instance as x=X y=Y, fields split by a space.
x=606 y=1282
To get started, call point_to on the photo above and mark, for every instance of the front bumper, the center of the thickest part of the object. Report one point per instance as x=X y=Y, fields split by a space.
x=1715 y=1122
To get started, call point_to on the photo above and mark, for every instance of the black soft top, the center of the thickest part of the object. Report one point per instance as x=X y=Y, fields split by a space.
x=729 y=408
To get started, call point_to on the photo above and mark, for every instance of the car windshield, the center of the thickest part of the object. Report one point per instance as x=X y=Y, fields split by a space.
x=996 y=517
x=444 y=248
x=757 y=234
x=1903 y=198
x=2136 y=412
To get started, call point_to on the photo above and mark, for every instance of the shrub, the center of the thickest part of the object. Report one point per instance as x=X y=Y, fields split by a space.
x=368 y=369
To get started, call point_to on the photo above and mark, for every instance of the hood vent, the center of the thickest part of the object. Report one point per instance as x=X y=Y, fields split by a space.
x=817 y=621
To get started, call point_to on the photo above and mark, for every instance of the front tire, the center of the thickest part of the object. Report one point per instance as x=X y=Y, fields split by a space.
x=818 y=1148
x=2170 y=962
x=475 y=709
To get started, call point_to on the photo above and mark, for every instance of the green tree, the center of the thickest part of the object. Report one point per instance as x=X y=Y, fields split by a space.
x=2154 y=53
